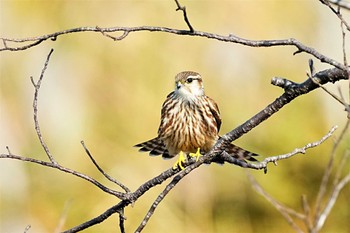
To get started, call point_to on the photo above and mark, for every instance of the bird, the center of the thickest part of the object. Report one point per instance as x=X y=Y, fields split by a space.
x=190 y=124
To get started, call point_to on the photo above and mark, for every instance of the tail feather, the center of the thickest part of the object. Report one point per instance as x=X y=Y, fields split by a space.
x=240 y=153
x=155 y=147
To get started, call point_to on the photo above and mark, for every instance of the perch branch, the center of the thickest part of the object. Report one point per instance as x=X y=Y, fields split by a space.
x=291 y=91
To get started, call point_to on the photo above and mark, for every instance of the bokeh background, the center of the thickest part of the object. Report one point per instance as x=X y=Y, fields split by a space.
x=109 y=94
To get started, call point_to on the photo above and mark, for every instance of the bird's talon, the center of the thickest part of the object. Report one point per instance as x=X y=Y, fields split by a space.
x=180 y=161
x=197 y=154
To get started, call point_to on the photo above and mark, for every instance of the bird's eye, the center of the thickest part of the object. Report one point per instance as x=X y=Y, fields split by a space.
x=189 y=80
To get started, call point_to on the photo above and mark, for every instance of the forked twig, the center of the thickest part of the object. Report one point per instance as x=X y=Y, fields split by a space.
x=35 y=107
x=183 y=9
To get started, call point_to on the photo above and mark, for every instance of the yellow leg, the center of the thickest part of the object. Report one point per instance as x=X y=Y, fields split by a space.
x=180 y=161
x=197 y=154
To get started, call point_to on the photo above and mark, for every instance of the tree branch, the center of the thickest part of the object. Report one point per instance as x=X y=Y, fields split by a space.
x=284 y=210
x=66 y=170
x=103 y=172
x=35 y=108
x=183 y=9
x=127 y=30
x=340 y=3
x=292 y=91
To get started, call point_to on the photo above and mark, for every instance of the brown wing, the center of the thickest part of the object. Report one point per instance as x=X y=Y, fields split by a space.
x=156 y=145
x=215 y=111
x=232 y=150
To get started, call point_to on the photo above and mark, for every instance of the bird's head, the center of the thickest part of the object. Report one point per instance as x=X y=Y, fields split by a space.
x=189 y=85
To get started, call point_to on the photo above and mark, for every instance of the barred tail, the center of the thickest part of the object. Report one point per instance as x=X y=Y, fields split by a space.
x=237 y=153
x=155 y=147
x=240 y=153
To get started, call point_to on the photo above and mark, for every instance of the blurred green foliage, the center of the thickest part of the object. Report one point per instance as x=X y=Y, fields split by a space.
x=109 y=94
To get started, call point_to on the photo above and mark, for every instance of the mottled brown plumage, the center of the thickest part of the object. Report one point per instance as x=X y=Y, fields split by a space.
x=189 y=120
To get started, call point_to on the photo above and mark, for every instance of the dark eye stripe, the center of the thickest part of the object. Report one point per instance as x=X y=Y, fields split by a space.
x=189 y=80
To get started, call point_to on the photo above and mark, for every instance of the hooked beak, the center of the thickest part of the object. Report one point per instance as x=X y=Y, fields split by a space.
x=178 y=85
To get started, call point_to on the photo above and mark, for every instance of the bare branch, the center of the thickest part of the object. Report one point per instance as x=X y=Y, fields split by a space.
x=326 y=175
x=114 y=209
x=230 y=38
x=35 y=108
x=284 y=210
x=336 y=12
x=63 y=217
x=103 y=172
x=8 y=150
x=183 y=9
x=341 y=3
x=125 y=34
x=263 y=164
x=27 y=228
x=120 y=195
x=331 y=201
x=315 y=80
x=162 y=195
x=306 y=208
x=291 y=92
x=122 y=219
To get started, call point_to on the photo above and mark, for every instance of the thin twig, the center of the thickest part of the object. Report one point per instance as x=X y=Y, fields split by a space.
x=109 y=212
x=8 y=150
x=115 y=38
x=102 y=171
x=63 y=217
x=327 y=173
x=273 y=159
x=336 y=12
x=341 y=3
x=306 y=208
x=316 y=81
x=122 y=219
x=35 y=108
x=27 y=228
x=183 y=9
x=120 y=195
x=284 y=210
x=331 y=201
x=161 y=196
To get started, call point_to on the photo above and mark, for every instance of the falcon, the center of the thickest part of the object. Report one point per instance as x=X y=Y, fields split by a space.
x=190 y=123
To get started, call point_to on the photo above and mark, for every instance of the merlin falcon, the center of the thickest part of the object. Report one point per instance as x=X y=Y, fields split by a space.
x=190 y=123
